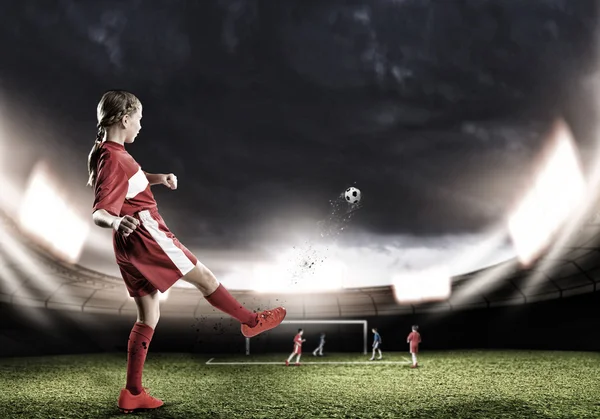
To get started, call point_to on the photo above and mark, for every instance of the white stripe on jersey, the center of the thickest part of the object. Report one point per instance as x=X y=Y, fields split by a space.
x=137 y=184
x=174 y=253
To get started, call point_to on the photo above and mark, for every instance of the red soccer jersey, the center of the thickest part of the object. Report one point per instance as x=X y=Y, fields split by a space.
x=121 y=186
x=298 y=339
x=414 y=337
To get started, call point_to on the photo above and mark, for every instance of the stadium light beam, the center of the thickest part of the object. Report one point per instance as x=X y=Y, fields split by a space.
x=422 y=286
x=45 y=215
x=10 y=196
x=486 y=281
x=13 y=253
x=9 y=277
x=557 y=191
x=18 y=254
x=587 y=209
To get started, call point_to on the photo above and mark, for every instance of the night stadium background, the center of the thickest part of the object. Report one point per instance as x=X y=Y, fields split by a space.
x=469 y=126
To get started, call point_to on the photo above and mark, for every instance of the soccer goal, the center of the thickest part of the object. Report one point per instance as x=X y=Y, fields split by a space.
x=363 y=323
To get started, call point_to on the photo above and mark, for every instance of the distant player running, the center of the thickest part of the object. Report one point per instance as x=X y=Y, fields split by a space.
x=297 y=348
x=376 y=344
x=150 y=257
x=319 y=349
x=414 y=338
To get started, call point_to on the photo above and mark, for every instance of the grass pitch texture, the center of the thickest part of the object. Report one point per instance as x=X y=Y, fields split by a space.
x=473 y=384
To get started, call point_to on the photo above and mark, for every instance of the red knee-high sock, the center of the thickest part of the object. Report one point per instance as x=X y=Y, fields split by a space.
x=137 y=348
x=225 y=302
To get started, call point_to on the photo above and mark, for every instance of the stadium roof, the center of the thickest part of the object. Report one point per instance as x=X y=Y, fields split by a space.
x=59 y=285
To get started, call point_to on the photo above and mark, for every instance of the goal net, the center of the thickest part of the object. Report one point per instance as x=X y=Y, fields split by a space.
x=341 y=335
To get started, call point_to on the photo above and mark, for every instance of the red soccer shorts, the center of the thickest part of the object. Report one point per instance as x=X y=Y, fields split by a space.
x=151 y=258
x=414 y=348
x=297 y=350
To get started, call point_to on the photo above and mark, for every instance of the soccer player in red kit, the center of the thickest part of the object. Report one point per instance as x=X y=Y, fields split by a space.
x=414 y=338
x=149 y=256
x=297 y=347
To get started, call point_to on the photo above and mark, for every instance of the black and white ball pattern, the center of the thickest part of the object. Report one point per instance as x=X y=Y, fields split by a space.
x=352 y=195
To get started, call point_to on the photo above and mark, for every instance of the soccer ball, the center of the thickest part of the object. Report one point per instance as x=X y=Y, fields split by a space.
x=352 y=195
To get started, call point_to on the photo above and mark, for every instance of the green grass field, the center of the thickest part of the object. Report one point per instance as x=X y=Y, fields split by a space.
x=474 y=384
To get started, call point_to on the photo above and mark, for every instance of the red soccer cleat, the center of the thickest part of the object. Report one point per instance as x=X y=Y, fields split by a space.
x=129 y=403
x=267 y=320
x=287 y=363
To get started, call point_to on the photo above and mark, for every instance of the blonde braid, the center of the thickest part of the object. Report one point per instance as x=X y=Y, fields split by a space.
x=109 y=106
x=114 y=118
x=100 y=134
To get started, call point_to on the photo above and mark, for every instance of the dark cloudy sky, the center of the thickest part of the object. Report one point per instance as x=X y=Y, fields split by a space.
x=266 y=110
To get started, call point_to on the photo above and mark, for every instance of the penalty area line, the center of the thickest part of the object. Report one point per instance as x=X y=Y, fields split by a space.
x=210 y=362
x=410 y=362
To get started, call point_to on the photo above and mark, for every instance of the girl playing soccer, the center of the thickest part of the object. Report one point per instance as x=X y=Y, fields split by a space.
x=149 y=256
x=414 y=338
x=297 y=348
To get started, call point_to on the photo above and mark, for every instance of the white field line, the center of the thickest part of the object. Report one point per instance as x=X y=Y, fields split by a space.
x=210 y=362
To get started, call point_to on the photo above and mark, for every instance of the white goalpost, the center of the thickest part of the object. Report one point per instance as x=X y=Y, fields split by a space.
x=334 y=322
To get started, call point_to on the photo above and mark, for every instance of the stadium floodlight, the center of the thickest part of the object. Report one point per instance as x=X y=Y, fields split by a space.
x=557 y=191
x=46 y=216
x=422 y=286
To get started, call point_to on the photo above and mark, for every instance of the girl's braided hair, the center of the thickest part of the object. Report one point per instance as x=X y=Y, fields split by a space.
x=113 y=106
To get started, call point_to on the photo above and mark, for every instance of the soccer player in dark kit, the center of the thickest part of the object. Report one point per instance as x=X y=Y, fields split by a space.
x=376 y=344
